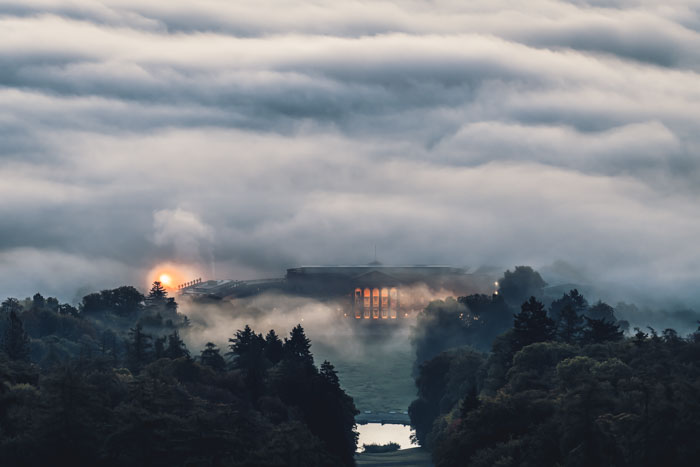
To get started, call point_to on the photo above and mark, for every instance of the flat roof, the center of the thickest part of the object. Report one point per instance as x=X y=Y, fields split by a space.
x=377 y=266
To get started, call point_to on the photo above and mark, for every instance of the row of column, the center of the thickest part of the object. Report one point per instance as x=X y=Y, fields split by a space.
x=376 y=303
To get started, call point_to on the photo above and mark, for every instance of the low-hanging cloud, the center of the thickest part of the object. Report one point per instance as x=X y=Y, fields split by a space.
x=483 y=133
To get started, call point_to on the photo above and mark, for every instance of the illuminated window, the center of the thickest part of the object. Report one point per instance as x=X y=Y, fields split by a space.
x=375 y=298
x=367 y=298
x=385 y=298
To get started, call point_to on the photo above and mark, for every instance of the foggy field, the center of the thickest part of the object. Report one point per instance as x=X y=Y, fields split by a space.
x=373 y=362
x=374 y=367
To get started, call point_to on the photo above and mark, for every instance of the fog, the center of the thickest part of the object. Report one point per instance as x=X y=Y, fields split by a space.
x=239 y=139
x=374 y=362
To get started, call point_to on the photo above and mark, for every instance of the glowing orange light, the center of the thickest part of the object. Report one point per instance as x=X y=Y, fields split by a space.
x=171 y=275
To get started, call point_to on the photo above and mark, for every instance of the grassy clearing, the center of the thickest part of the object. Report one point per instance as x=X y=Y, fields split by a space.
x=414 y=457
x=374 y=367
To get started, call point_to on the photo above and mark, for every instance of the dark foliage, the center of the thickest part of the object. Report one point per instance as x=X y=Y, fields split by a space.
x=168 y=409
x=15 y=341
x=379 y=448
x=160 y=310
x=122 y=301
x=297 y=347
x=11 y=304
x=442 y=382
x=583 y=396
x=532 y=325
x=601 y=310
x=139 y=351
x=521 y=283
x=211 y=357
x=572 y=301
x=598 y=331
x=570 y=327
x=273 y=347
x=113 y=384
x=473 y=320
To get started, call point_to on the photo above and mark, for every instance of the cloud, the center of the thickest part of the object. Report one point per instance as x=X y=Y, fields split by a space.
x=262 y=135
x=182 y=230
x=26 y=271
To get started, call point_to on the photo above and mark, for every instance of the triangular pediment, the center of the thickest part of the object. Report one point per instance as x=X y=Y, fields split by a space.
x=375 y=278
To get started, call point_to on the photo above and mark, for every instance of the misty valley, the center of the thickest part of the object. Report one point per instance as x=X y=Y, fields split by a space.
x=523 y=376
x=337 y=233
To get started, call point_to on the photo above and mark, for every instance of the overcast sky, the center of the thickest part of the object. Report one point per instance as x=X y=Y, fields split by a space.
x=267 y=134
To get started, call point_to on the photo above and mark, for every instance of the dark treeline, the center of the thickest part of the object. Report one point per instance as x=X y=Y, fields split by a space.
x=111 y=383
x=100 y=324
x=476 y=320
x=561 y=385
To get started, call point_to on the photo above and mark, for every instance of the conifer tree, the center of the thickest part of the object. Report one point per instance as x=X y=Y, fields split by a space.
x=273 y=347
x=15 y=341
x=159 y=347
x=157 y=297
x=157 y=293
x=297 y=347
x=176 y=346
x=139 y=348
x=11 y=304
x=601 y=330
x=573 y=299
x=240 y=343
x=570 y=325
x=211 y=357
x=532 y=324
x=38 y=302
x=329 y=374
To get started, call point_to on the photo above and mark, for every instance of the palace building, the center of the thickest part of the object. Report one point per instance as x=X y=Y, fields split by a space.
x=380 y=292
x=365 y=292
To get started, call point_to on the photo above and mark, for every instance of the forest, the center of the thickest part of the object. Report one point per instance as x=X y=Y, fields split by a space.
x=516 y=378
x=558 y=386
x=111 y=383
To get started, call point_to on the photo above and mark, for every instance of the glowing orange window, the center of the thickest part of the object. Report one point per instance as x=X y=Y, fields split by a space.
x=375 y=298
x=367 y=298
x=385 y=298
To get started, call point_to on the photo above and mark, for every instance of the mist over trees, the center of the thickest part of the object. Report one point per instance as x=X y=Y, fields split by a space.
x=477 y=319
x=112 y=383
x=520 y=284
x=472 y=320
x=555 y=380
x=561 y=386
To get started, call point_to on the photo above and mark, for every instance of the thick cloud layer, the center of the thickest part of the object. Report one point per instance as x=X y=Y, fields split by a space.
x=246 y=137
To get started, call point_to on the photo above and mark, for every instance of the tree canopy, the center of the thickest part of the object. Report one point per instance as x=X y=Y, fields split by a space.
x=574 y=394
x=517 y=285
